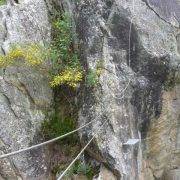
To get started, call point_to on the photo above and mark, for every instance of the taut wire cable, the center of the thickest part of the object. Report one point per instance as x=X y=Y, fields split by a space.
x=46 y=142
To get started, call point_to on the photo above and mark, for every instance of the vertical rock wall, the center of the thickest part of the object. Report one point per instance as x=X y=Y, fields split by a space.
x=138 y=45
x=137 y=96
x=25 y=95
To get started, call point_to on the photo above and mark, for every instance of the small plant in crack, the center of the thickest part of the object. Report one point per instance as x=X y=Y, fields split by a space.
x=31 y=54
x=66 y=67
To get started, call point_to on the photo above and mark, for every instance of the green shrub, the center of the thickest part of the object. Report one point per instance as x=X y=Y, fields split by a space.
x=85 y=169
x=57 y=126
x=65 y=60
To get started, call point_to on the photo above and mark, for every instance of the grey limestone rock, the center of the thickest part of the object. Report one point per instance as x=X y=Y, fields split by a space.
x=25 y=95
x=137 y=96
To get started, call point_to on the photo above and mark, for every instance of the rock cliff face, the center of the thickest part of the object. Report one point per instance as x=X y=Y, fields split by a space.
x=25 y=95
x=137 y=43
x=138 y=92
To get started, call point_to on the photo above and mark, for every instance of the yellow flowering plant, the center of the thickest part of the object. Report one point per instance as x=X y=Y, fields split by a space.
x=31 y=54
x=69 y=76
x=66 y=68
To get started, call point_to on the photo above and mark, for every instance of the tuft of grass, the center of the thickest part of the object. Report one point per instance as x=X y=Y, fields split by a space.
x=58 y=125
x=92 y=76
x=81 y=169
